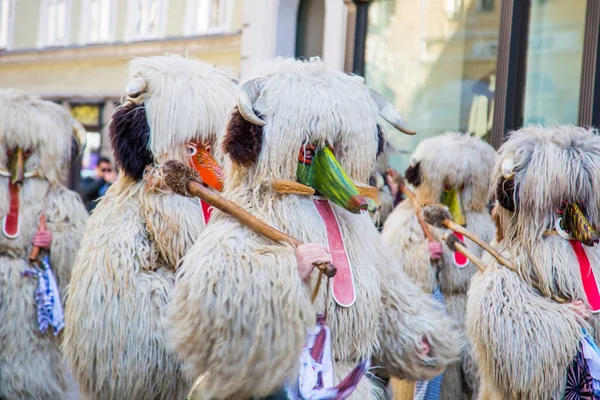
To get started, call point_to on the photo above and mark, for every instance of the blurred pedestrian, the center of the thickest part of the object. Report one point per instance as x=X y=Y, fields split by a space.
x=92 y=188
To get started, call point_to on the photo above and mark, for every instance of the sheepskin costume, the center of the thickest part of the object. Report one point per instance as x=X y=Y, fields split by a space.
x=48 y=138
x=386 y=200
x=116 y=340
x=458 y=162
x=523 y=340
x=240 y=312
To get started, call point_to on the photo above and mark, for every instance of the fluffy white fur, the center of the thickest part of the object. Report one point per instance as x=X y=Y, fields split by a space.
x=31 y=364
x=523 y=340
x=240 y=311
x=458 y=160
x=116 y=343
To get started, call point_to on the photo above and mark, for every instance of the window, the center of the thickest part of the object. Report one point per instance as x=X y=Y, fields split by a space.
x=6 y=7
x=310 y=28
x=54 y=24
x=440 y=73
x=554 y=60
x=147 y=19
x=97 y=21
x=208 y=16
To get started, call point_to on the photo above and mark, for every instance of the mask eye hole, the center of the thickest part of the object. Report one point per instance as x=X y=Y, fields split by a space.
x=192 y=149
x=447 y=187
x=27 y=153
x=307 y=153
x=208 y=148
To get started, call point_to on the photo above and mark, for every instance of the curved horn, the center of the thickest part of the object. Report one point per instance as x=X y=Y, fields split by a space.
x=248 y=94
x=389 y=113
x=135 y=87
x=508 y=167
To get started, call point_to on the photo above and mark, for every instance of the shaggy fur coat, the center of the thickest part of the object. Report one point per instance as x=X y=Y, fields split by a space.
x=456 y=160
x=523 y=340
x=240 y=312
x=116 y=342
x=31 y=364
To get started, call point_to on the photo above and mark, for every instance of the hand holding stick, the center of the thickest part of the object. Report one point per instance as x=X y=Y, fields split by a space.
x=184 y=181
x=35 y=250
x=440 y=217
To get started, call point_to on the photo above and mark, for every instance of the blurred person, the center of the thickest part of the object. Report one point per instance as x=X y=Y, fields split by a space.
x=92 y=188
x=42 y=224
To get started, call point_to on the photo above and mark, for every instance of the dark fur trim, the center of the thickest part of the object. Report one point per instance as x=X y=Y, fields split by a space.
x=243 y=140
x=413 y=174
x=380 y=141
x=130 y=139
x=505 y=194
x=75 y=150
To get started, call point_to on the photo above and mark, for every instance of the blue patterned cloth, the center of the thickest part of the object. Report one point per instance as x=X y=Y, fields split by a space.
x=47 y=296
x=432 y=389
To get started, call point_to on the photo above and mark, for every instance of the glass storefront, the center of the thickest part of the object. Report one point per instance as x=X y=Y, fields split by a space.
x=436 y=61
x=554 y=57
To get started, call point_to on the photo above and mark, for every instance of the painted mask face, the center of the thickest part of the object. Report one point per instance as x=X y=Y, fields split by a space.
x=573 y=224
x=202 y=161
x=319 y=169
x=452 y=198
x=17 y=158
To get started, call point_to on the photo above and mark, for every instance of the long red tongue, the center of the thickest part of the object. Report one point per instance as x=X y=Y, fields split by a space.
x=588 y=279
x=343 y=281
x=206 y=211
x=12 y=220
x=460 y=260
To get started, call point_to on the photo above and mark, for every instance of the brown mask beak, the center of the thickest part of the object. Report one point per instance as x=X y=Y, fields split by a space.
x=17 y=167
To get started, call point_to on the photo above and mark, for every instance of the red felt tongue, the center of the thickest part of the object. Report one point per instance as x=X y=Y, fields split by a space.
x=460 y=260
x=588 y=279
x=206 y=211
x=343 y=281
x=11 y=222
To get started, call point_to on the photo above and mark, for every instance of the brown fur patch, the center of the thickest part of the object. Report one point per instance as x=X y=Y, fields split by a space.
x=243 y=140
x=413 y=174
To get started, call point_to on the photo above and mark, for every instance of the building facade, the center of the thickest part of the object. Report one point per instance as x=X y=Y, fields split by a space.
x=76 y=51
x=480 y=66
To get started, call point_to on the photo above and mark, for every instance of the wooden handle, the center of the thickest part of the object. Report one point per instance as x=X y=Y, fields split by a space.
x=464 y=251
x=413 y=199
x=35 y=250
x=459 y=229
x=244 y=217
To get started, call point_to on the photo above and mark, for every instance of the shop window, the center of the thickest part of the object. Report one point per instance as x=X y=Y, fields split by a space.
x=89 y=115
x=6 y=7
x=146 y=19
x=436 y=62
x=54 y=24
x=554 y=61
x=310 y=28
x=97 y=21
x=208 y=16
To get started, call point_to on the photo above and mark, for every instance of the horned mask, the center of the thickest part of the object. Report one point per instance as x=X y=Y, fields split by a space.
x=173 y=108
x=547 y=180
x=452 y=169
x=316 y=129
x=39 y=140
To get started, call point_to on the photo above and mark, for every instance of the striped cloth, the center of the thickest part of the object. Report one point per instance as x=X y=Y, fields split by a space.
x=47 y=296
x=431 y=390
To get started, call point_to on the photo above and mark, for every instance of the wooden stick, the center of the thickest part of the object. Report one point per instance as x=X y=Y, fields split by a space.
x=185 y=181
x=35 y=250
x=413 y=199
x=456 y=245
x=440 y=217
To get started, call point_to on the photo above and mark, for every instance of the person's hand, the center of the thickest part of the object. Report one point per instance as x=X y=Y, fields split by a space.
x=42 y=239
x=110 y=176
x=308 y=255
x=436 y=250
x=390 y=179
x=580 y=308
